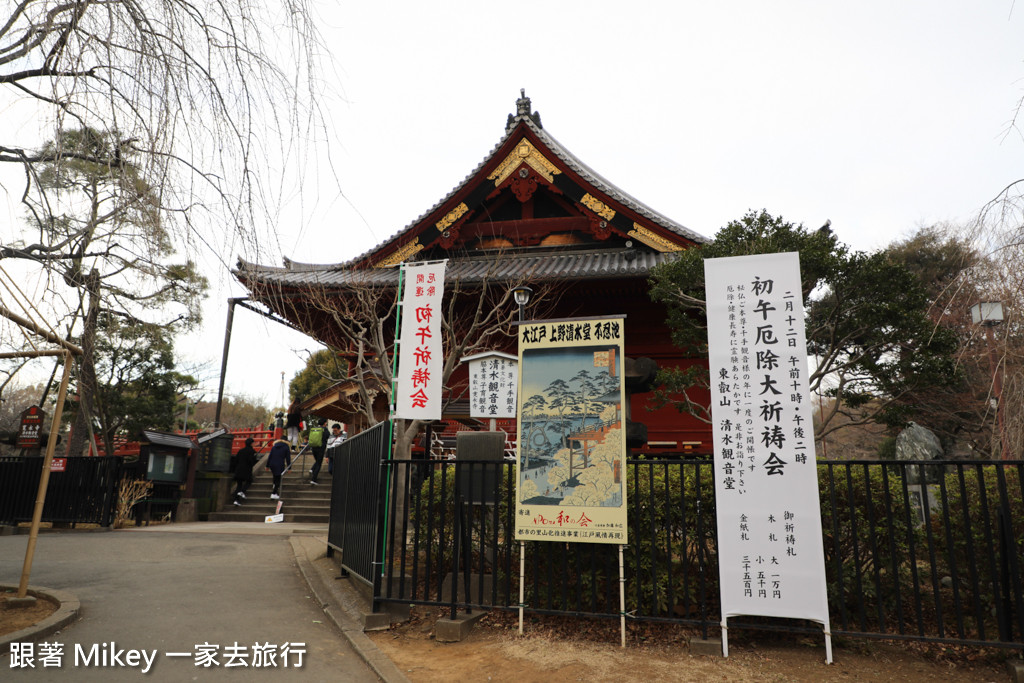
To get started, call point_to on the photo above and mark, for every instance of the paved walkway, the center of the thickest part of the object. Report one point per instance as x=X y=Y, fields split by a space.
x=171 y=588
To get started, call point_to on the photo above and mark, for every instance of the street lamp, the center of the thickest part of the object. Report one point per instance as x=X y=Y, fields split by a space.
x=522 y=295
x=988 y=314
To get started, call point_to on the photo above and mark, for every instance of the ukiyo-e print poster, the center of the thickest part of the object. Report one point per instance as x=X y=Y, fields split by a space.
x=420 y=356
x=571 y=483
x=766 y=478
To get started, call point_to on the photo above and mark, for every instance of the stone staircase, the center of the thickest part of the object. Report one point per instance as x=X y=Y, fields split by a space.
x=302 y=502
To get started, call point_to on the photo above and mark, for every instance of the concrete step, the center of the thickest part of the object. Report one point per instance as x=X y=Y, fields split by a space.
x=302 y=501
x=304 y=491
x=271 y=509
x=324 y=479
x=268 y=502
x=250 y=516
x=256 y=508
x=323 y=484
x=267 y=479
x=288 y=499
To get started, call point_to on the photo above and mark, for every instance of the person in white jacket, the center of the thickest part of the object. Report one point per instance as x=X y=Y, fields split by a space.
x=337 y=437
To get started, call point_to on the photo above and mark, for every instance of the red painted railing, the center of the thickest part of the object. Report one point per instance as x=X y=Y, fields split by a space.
x=261 y=436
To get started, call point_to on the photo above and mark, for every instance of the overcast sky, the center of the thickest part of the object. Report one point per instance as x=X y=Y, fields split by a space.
x=880 y=116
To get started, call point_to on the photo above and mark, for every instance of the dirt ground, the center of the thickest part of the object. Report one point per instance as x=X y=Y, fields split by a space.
x=15 y=619
x=549 y=650
x=557 y=649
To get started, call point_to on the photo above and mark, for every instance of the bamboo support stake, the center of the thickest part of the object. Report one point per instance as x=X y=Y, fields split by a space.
x=32 y=354
x=44 y=333
x=44 y=478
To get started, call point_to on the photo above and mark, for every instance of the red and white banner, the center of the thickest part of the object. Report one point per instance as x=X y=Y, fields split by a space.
x=420 y=356
x=770 y=554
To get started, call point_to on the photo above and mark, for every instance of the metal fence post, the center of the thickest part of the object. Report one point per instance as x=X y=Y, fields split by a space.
x=380 y=535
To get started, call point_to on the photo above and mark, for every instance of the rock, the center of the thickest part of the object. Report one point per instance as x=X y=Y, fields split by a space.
x=919 y=443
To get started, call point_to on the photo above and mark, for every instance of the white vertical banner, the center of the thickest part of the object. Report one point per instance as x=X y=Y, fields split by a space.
x=771 y=560
x=420 y=356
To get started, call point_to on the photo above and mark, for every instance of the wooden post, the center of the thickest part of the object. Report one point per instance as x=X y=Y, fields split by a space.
x=522 y=582
x=44 y=478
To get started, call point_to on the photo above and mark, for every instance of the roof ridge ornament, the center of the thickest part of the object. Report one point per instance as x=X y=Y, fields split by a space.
x=523 y=105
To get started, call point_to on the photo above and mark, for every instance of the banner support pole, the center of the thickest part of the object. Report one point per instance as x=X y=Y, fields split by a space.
x=725 y=637
x=522 y=582
x=622 y=597
x=391 y=418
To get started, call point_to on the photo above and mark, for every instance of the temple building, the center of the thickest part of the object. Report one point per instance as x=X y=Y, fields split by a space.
x=531 y=213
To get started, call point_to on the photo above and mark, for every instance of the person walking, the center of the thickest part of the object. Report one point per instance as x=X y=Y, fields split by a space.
x=293 y=424
x=278 y=460
x=317 y=443
x=245 y=460
x=336 y=438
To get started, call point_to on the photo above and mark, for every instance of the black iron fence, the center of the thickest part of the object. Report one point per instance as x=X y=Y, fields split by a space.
x=356 y=521
x=926 y=551
x=85 y=492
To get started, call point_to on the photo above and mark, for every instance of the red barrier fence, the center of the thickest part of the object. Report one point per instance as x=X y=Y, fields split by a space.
x=261 y=436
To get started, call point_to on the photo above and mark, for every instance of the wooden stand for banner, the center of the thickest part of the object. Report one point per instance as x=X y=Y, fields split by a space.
x=725 y=642
x=522 y=582
x=622 y=597
x=622 y=590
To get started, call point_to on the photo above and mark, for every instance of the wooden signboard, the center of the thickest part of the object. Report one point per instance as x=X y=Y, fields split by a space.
x=31 y=428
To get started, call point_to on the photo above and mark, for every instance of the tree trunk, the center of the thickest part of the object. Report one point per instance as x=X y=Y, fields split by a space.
x=405 y=432
x=81 y=429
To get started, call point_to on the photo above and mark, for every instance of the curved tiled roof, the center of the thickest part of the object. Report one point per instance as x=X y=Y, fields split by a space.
x=598 y=181
x=539 y=266
x=586 y=174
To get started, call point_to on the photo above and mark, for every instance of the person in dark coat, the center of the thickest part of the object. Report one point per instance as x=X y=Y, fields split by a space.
x=278 y=460
x=245 y=460
x=293 y=423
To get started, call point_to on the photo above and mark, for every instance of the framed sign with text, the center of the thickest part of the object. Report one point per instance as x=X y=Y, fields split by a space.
x=571 y=450
x=30 y=427
x=493 y=382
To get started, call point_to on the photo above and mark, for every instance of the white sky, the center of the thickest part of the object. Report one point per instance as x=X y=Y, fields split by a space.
x=880 y=116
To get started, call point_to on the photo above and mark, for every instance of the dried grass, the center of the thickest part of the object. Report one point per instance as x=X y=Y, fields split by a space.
x=130 y=493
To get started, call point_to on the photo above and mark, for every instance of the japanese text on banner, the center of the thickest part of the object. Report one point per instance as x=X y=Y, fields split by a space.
x=421 y=357
x=766 y=484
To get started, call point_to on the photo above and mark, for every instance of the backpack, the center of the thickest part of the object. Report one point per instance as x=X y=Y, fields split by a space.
x=316 y=436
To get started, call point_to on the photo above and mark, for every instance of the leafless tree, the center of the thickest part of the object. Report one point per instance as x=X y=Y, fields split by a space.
x=203 y=95
x=359 y=320
x=176 y=111
x=998 y=351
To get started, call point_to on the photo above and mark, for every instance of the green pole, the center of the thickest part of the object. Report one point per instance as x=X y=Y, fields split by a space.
x=391 y=419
